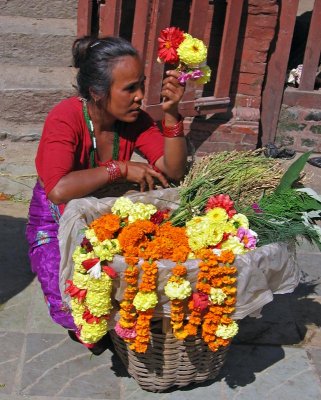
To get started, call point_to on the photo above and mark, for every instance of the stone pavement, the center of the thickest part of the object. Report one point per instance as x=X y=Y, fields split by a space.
x=278 y=355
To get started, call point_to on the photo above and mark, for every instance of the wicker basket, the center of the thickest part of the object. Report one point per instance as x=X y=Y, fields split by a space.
x=169 y=362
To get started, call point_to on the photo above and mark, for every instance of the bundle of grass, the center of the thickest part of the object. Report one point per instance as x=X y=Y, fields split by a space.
x=244 y=175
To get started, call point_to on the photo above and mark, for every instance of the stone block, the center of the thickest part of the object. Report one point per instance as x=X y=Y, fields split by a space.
x=316 y=129
x=30 y=106
x=314 y=115
x=39 y=9
x=44 y=50
x=41 y=42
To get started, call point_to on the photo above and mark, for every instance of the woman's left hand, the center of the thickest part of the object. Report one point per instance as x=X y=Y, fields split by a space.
x=172 y=91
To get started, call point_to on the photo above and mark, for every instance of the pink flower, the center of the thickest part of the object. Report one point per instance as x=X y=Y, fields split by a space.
x=168 y=42
x=222 y=201
x=125 y=333
x=247 y=237
x=200 y=300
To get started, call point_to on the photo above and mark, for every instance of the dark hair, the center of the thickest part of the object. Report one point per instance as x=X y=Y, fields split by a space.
x=96 y=59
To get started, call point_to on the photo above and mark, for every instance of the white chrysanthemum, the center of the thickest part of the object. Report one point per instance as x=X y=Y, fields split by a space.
x=141 y=211
x=91 y=236
x=122 y=207
x=240 y=221
x=217 y=296
x=227 y=331
x=234 y=244
x=180 y=291
x=107 y=249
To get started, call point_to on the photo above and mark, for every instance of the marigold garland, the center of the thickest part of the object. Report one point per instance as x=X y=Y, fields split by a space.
x=140 y=231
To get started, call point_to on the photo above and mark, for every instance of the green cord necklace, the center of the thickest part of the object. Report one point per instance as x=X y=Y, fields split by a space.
x=90 y=125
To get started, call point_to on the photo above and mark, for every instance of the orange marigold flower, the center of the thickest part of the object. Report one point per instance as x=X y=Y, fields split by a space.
x=179 y=270
x=226 y=256
x=106 y=226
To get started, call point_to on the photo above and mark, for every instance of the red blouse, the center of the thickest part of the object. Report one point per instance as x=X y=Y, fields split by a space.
x=65 y=142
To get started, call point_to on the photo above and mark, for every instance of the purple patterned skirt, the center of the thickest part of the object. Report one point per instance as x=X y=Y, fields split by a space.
x=41 y=233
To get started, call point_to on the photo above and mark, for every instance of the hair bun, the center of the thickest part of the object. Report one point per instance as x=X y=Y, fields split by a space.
x=80 y=49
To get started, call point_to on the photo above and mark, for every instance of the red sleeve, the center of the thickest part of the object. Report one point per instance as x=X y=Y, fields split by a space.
x=150 y=142
x=62 y=146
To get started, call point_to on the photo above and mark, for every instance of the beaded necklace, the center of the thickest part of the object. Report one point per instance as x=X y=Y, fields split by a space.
x=93 y=149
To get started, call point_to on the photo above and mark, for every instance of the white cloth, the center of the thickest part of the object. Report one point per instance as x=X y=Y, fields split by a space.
x=268 y=270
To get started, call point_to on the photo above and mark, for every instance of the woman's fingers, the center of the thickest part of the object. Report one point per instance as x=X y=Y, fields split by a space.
x=145 y=176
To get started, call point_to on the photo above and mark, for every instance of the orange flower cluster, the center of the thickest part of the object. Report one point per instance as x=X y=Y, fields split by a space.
x=147 y=285
x=151 y=242
x=105 y=226
x=177 y=306
x=136 y=236
x=218 y=276
x=127 y=310
x=215 y=271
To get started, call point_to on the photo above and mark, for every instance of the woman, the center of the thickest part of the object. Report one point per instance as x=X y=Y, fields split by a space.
x=86 y=146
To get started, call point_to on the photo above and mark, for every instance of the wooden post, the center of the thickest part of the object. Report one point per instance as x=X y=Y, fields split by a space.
x=84 y=17
x=276 y=71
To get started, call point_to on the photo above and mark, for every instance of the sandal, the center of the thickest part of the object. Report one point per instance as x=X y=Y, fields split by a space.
x=315 y=161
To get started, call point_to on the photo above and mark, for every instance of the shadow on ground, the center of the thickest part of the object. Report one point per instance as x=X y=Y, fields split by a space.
x=15 y=272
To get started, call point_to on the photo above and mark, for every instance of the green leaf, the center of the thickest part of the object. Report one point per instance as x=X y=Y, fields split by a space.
x=293 y=173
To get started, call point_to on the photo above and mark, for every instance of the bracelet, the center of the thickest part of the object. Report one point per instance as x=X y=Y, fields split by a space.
x=113 y=170
x=176 y=130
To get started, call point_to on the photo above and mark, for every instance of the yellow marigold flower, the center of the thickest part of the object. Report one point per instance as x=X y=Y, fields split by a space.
x=206 y=75
x=78 y=256
x=91 y=236
x=145 y=300
x=104 y=283
x=229 y=227
x=98 y=303
x=77 y=311
x=227 y=331
x=192 y=51
x=107 y=249
x=180 y=291
x=234 y=244
x=80 y=280
x=217 y=296
x=91 y=333
x=240 y=220
x=217 y=215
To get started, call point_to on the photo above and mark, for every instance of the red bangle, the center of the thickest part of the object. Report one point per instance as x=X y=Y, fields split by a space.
x=176 y=130
x=113 y=170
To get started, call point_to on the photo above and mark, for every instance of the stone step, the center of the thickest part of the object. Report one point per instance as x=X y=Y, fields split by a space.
x=39 y=9
x=41 y=42
x=29 y=92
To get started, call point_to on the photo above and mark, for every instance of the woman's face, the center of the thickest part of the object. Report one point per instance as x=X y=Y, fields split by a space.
x=127 y=89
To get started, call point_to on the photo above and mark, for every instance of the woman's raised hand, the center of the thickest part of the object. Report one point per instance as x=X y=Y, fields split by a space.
x=172 y=91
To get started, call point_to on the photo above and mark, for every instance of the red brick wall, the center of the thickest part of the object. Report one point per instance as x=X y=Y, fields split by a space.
x=239 y=127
